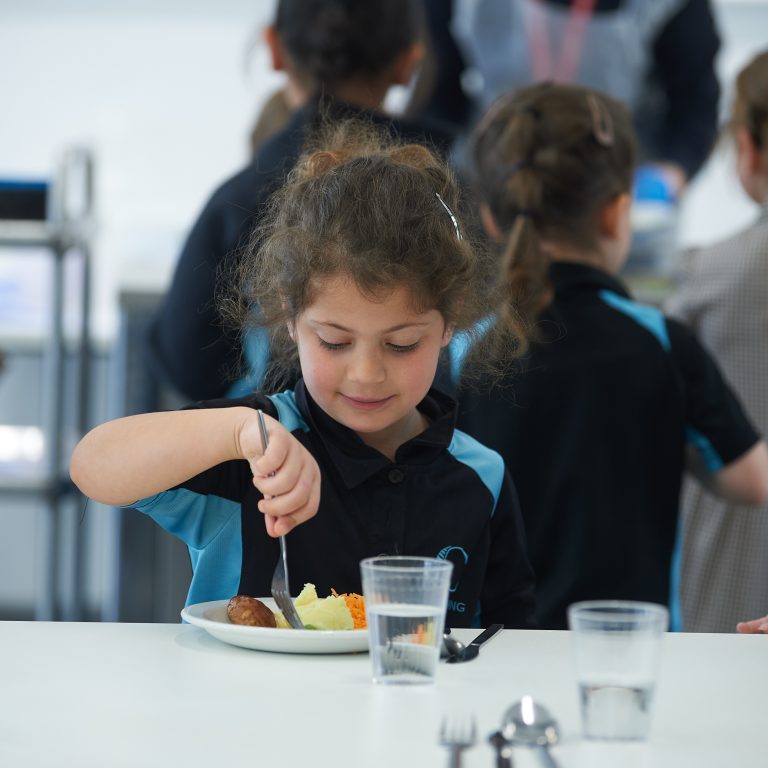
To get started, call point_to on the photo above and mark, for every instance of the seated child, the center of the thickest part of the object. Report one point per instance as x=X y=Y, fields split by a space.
x=362 y=273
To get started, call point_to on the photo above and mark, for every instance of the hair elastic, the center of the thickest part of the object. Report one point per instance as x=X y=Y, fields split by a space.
x=450 y=213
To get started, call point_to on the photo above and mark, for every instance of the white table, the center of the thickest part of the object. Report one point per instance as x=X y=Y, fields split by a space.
x=111 y=695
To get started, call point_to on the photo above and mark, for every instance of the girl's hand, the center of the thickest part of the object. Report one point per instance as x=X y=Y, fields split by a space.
x=287 y=474
x=754 y=627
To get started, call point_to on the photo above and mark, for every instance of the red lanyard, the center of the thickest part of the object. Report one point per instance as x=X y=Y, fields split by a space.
x=564 y=68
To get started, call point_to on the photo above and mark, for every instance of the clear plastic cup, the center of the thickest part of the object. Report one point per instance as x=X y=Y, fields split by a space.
x=405 y=604
x=617 y=646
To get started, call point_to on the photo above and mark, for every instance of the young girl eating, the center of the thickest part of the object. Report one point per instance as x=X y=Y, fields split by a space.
x=362 y=271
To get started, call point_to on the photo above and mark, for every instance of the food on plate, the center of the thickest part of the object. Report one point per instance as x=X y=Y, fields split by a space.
x=356 y=605
x=249 y=611
x=335 y=612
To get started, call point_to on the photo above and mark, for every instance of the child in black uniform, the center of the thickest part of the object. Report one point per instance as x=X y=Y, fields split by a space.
x=362 y=271
x=597 y=425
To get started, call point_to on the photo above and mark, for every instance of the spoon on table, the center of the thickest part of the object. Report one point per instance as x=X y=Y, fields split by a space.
x=463 y=652
x=531 y=725
x=451 y=645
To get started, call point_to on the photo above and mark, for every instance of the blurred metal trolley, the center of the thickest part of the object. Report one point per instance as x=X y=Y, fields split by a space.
x=57 y=217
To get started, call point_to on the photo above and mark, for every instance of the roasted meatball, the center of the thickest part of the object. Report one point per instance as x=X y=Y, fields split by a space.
x=249 y=611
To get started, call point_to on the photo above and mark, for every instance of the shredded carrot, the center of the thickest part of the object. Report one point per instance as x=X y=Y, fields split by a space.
x=356 y=605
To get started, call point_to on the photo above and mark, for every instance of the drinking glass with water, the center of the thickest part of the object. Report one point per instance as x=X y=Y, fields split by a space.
x=405 y=604
x=617 y=646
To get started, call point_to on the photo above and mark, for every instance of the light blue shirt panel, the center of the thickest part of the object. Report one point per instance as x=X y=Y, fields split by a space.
x=288 y=413
x=461 y=343
x=711 y=458
x=256 y=353
x=210 y=526
x=458 y=348
x=487 y=463
x=216 y=568
x=649 y=318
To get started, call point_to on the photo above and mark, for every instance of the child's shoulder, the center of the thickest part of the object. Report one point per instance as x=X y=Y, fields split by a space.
x=288 y=411
x=646 y=316
x=486 y=462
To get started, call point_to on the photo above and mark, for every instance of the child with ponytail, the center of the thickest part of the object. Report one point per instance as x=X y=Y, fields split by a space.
x=613 y=401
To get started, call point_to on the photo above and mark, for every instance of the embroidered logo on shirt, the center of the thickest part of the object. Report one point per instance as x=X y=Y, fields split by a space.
x=459 y=557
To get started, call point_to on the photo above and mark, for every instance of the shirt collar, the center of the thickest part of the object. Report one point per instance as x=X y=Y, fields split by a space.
x=355 y=461
x=570 y=278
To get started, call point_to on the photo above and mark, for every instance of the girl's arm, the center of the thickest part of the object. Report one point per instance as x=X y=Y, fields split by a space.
x=743 y=481
x=131 y=458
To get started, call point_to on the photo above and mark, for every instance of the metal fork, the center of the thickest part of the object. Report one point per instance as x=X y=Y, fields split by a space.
x=457 y=734
x=281 y=591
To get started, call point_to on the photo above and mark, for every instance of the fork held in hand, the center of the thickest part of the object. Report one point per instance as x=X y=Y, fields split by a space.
x=457 y=735
x=281 y=591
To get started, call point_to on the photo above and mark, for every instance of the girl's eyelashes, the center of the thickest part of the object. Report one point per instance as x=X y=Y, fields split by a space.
x=328 y=345
x=336 y=347
x=402 y=348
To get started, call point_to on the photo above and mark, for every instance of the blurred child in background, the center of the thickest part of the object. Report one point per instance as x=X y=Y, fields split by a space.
x=723 y=296
x=613 y=400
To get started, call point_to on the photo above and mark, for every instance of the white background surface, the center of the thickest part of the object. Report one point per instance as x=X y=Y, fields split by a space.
x=165 y=93
x=95 y=695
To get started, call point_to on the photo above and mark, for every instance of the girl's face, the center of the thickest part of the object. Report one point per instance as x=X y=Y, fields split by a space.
x=369 y=363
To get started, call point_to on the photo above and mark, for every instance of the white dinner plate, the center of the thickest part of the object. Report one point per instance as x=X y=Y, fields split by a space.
x=212 y=617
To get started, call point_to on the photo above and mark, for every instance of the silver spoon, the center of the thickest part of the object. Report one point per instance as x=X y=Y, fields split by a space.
x=471 y=651
x=451 y=645
x=531 y=725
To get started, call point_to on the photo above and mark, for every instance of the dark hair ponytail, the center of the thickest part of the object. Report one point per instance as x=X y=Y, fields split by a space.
x=547 y=158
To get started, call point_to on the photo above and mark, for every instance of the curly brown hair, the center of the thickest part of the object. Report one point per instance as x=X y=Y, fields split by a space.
x=384 y=213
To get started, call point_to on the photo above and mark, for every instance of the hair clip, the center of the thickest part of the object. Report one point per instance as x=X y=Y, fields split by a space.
x=602 y=125
x=450 y=213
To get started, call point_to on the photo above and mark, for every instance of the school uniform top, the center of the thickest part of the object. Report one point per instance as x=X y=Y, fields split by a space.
x=594 y=430
x=724 y=298
x=444 y=496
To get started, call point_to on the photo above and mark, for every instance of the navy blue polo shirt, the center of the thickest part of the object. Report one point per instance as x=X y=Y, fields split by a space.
x=445 y=496
x=594 y=428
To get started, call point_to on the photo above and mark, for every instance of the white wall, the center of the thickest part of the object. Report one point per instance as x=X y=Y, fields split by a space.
x=165 y=92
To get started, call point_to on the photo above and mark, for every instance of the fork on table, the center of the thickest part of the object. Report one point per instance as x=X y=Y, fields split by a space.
x=457 y=734
x=281 y=591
